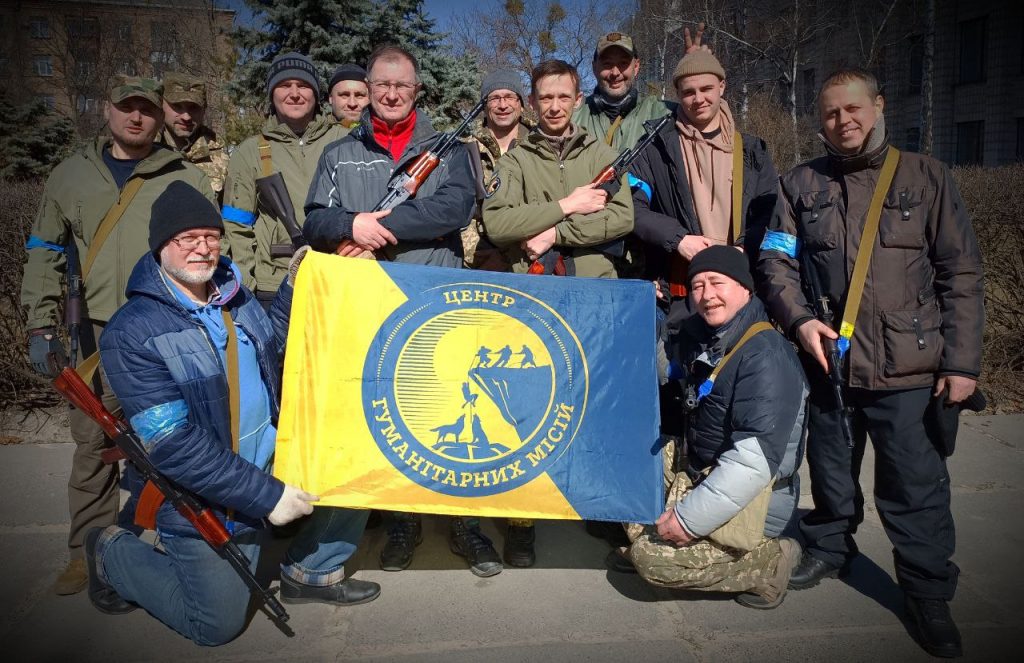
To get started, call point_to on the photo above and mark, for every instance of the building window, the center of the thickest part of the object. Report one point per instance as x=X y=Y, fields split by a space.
x=87 y=105
x=48 y=101
x=970 y=143
x=807 y=90
x=82 y=28
x=123 y=31
x=913 y=140
x=972 y=45
x=39 y=28
x=43 y=65
x=916 y=61
x=127 y=67
x=85 y=69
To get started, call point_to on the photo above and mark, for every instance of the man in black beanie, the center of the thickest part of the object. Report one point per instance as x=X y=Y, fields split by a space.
x=348 y=93
x=745 y=407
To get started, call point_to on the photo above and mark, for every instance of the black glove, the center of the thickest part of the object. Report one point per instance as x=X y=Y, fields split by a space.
x=41 y=344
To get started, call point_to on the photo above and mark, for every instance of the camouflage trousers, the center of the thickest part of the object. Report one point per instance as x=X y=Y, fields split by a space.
x=704 y=564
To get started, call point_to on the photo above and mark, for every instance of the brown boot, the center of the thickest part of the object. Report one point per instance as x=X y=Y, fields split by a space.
x=72 y=579
x=771 y=594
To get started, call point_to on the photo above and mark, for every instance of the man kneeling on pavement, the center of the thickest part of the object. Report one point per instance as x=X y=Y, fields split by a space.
x=744 y=434
x=187 y=317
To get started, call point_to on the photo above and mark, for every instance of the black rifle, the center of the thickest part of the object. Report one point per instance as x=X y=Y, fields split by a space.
x=273 y=195
x=159 y=488
x=73 y=305
x=823 y=313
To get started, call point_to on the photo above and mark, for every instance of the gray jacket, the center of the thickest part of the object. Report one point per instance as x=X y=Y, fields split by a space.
x=352 y=177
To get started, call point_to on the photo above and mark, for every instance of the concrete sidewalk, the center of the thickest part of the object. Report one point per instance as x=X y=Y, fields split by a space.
x=568 y=608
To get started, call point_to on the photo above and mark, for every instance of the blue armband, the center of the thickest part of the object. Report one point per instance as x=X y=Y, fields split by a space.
x=637 y=183
x=239 y=216
x=781 y=242
x=155 y=423
x=36 y=243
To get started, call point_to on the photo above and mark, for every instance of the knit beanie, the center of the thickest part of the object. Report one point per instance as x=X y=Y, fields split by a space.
x=503 y=80
x=725 y=260
x=180 y=207
x=698 y=62
x=346 y=72
x=292 y=65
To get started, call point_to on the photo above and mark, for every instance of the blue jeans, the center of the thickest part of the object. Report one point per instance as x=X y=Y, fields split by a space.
x=318 y=552
x=188 y=586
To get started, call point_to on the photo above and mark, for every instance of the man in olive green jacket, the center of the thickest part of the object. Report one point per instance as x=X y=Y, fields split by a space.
x=545 y=201
x=616 y=111
x=82 y=191
x=290 y=142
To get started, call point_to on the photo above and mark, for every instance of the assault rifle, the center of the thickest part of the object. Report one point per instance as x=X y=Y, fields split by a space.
x=609 y=179
x=71 y=386
x=823 y=313
x=273 y=195
x=73 y=305
x=404 y=186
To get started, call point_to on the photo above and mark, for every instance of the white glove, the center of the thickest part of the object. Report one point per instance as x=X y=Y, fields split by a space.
x=294 y=503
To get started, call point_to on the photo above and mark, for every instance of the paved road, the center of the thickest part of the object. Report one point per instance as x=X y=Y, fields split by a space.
x=568 y=608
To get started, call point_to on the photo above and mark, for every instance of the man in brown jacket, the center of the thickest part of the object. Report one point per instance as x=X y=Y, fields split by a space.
x=911 y=348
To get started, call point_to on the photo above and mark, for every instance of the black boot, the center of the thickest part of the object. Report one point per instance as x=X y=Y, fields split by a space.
x=347 y=592
x=101 y=595
x=467 y=541
x=404 y=534
x=519 y=546
x=613 y=533
x=937 y=632
x=811 y=570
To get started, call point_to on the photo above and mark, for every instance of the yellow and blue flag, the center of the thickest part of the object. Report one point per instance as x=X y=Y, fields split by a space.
x=445 y=391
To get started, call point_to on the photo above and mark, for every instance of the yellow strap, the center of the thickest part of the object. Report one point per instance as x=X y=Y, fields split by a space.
x=86 y=368
x=610 y=136
x=234 y=398
x=265 y=161
x=106 y=226
x=752 y=331
x=737 y=186
x=867 y=245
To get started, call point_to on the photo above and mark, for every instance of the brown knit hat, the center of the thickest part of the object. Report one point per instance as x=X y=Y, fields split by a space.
x=698 y=62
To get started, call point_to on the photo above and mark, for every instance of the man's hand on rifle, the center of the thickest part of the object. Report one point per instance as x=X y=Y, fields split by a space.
x=691 y=245
x=41 y=344
x=585 y=199
x=294 y=503
x=539 y=244
x=367 y=230
x=811 y=335
x=956 y=387
x=350 y=249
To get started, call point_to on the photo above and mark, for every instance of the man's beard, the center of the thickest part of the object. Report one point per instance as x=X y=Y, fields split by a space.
x=191 y=276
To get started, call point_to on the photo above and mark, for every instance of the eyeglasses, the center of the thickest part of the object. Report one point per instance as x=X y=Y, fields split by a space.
x=383 y=87
x=499 y=99
x=191 y=242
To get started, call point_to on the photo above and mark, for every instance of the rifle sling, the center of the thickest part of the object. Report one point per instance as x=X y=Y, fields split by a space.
x=266 y=162
x=752 y=331
x=609 y=137
x=865 y=249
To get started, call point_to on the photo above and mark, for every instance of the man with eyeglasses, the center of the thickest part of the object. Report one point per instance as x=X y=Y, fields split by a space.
x=290 y=143
x=351 y=179
x=503 y=126
x=190 y=335
x=98 y=199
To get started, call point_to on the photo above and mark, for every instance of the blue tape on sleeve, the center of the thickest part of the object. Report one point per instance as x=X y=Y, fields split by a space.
x=637 y=183
x=781 y=242
x=239 y=216
x=36 y=243
x=155 y=423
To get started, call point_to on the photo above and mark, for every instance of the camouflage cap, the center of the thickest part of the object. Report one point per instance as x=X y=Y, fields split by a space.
x=125 y=87
x=180 y=87
x=616 y=39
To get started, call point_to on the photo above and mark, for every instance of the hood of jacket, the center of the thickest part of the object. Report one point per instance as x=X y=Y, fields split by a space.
x=147 y=280
x=275 y=130
x=717 y=342
x=870 y=155
x=161 y=157
x=539 y=144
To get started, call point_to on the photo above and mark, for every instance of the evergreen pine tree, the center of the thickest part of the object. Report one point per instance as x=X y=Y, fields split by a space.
x=333 y=32
x=33 y=139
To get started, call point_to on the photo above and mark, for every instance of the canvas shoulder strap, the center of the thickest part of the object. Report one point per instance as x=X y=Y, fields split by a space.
x=609 y=136
x=234 y=397
x=109 y=221
x=752 y=331
x=266 y=162
x=737 y=186
x=867 y=246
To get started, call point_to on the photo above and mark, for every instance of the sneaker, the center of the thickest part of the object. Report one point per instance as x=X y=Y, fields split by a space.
x=101 y=595
x=469 y=542
x=618 y=560
x=518 y=550
x=347 y=592
x=73 y=579
x=937 y=632
x=403 y=537
x=774 y=592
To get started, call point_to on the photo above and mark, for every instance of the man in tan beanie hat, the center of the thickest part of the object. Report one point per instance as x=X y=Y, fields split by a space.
x=700 y=183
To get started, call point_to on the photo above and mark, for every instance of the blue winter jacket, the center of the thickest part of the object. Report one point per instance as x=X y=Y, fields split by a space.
x=171 y=382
